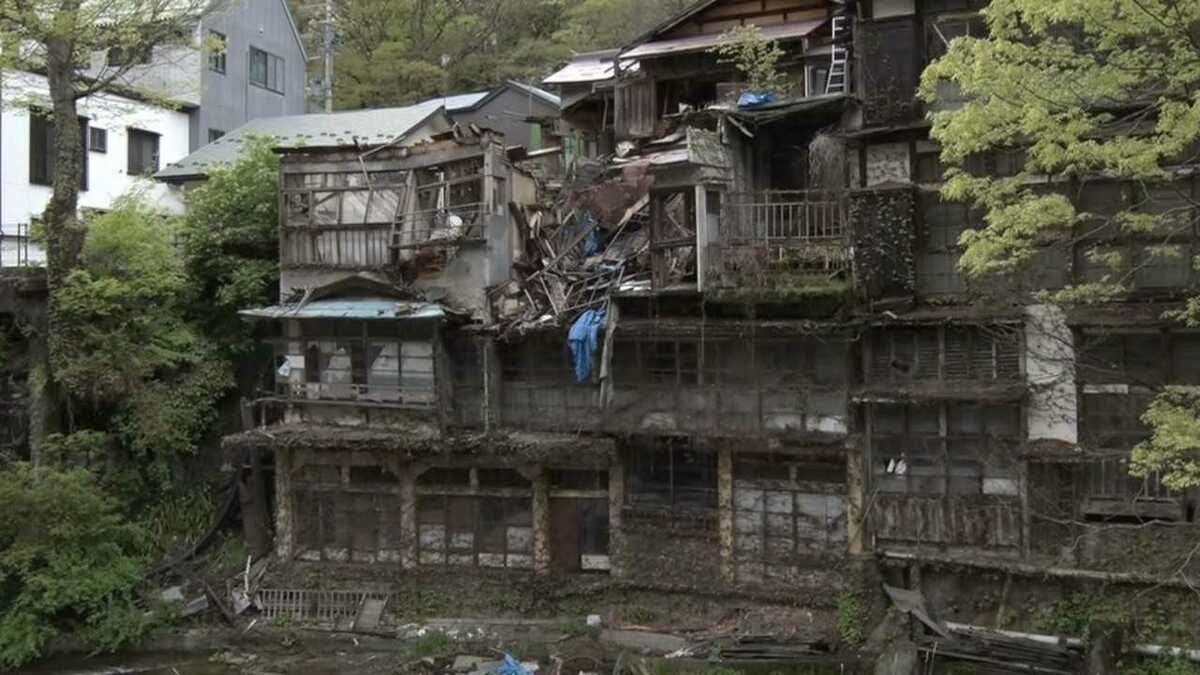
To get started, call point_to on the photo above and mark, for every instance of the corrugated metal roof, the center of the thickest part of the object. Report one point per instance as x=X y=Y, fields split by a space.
x=536 y=92
x=350 y=308
x=589 y=67
x=315 y=130
x=698 y=43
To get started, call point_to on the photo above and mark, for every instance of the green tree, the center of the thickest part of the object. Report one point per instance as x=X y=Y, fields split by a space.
x=754 y=57
x=69 y=564
x=398 y=52
x=230 y=240
x=143 y=380
x=120 y=319
x=1089 y=89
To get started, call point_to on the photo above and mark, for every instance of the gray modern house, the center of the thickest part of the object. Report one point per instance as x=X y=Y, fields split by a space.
x=248 y=62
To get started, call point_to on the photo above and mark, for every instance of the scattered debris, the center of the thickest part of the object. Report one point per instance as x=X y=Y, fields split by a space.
x=998 y=651
x=576 y=254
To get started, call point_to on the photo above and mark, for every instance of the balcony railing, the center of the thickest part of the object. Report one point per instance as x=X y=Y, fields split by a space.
x=375 y=245
x=782 y=217
x=774 y=238
x=441 y=227
x=14 y=245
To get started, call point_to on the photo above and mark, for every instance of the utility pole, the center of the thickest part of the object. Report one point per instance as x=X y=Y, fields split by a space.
x=327 y=54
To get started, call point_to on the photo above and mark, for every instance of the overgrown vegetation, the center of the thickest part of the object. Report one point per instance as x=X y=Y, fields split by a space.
x=1095 y=90
x=754 y=57
x=69 y=563
x=852 y=619
x=145 y=330
x=397 y=52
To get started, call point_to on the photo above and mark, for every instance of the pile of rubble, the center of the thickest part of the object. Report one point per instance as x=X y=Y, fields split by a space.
x=594 y=240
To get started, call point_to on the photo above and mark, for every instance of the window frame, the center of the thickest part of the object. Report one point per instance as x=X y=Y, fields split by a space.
x=218 y=59
x=95 y=133
x=133 y=132
x=273 y=70
x=215 y=134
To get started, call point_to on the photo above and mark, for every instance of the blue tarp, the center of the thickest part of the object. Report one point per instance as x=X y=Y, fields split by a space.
x=591 y=244
x=584 y=341
x=512 y=667
x=753 y=99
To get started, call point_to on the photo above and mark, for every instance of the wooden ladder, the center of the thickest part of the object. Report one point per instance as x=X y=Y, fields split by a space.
x=838 y=81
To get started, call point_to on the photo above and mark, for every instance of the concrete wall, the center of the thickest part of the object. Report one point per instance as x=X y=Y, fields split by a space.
x=107 y=172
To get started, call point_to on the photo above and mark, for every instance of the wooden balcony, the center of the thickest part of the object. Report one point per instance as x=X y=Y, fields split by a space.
x=378 y=245
x=779 y=239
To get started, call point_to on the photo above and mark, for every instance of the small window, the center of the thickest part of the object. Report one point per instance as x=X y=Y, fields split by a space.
x=98 y=140
x=266 y=70
x=939 y=33
x=143 y=153
x=214 y=134
x=216 y=57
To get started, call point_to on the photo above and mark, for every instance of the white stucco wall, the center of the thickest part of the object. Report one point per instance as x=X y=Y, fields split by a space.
x=20 y=200
x=1050 y=372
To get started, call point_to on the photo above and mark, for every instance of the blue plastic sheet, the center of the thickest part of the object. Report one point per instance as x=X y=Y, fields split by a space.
x=591 y=245
x=584 y=341
x=753 y=99
x=512 y=666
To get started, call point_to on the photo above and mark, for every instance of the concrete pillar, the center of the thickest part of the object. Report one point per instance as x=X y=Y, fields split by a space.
x=541 y=520
x=856 y=517
x=409 y=556
x=616 y=502
x=725 y=512
x=284 y=522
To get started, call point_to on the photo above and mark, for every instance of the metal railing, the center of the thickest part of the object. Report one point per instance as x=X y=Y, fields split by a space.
x=782 y=217
x=14 y=245
x=440 y=227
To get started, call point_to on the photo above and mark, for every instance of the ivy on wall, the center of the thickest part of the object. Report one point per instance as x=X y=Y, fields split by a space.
x=884 y=232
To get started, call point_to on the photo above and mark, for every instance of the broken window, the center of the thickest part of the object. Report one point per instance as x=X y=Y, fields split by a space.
x=355 y=361
x=945 y=448
x=1147 y=359
x=942 y=225
x=941 y=31
x=944 y=353
x=672 y=474
x=673 y=237
x=786 y=507
x=475 y=531
x=341 y=219
x=353 y=520
x=449 y=204
x=472 y=530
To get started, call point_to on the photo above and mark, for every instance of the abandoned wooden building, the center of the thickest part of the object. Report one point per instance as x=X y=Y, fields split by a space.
x=734 y=346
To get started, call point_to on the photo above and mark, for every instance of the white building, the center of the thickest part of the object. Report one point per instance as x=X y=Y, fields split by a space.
x=127 y=141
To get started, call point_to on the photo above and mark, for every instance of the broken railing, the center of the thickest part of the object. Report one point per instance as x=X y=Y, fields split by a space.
x=440 y=227
x=1110 y=490
x=772 y=235
x=376 y=245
